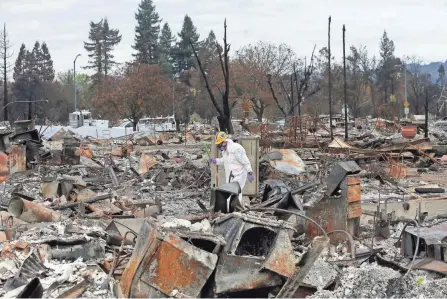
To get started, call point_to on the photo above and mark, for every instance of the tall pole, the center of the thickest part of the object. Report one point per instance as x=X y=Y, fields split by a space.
x=291 y=96
x=405 y=81
x=74 y=81
x=345 y=84
x=329 y=80
x=426 y=111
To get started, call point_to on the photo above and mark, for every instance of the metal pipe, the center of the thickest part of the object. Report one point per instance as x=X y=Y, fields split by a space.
x=290 y=212
x=31 y=212
x=350 y=239
x=417 y=242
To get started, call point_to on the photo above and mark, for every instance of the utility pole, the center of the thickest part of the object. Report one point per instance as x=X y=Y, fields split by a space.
x=405 y=80
x=297 y=90
x=292 y=102
x=345 y=84
x=74 y=81
x=426 y=112
x=329 y=80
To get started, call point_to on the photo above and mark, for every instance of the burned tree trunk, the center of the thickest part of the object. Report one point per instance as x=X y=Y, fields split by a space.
x=224 y=112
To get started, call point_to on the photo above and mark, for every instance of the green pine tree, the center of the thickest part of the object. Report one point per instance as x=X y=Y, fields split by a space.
x=166 y=49
x=94 y=49
x=184 y=56
x=47 y=64
x=387 y=67
x=208 y=51
x=102 y=41
x=146 y=33
x=35 y=61
x=110 y=38
x=441 y=76
x=19 y=64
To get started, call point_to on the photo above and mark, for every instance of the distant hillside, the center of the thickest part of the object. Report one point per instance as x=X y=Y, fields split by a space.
x=432 y=69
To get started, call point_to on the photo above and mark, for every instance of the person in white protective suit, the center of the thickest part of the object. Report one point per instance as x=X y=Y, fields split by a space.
x=235 y=161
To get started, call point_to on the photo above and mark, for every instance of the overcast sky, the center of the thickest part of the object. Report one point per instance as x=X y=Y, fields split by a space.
x=416 y=27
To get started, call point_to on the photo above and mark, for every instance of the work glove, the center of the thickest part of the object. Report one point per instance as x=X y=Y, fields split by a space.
x=251 y=177
x=212 y=160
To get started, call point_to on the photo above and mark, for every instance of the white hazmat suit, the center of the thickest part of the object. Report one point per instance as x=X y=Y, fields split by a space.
x=236 y=164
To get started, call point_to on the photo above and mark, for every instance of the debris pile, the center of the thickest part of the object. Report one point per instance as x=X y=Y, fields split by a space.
x=135 y=217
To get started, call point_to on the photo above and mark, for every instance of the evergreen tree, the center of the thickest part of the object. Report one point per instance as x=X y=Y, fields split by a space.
x=387 y=67
x=146 y=33
x=110 y=38
x=94 y=49
x=208 y=51
x=20 y=84
x=165 y=49
x=441 y=76
x=47 y=64
x=32 y=69
x=19 y=64
x=103 y=40
x=184 y=56
x=34 y=61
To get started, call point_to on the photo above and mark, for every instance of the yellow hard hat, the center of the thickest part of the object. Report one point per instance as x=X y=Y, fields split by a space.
x=221 y=137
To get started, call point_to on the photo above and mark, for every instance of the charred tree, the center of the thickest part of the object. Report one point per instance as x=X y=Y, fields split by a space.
x=5 y=55
x=329 y=76
x=345 y=92
x=224 y=112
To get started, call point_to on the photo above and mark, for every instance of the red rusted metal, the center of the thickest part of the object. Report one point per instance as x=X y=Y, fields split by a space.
x=17 y=158
x=178 y=265
x=31 y=212
x=85 y=151
x=409 y=132
x=4 y=169
x=147 y=243
x=354 y=197
x=161 y=265
x=281 y=259
x=330 y=213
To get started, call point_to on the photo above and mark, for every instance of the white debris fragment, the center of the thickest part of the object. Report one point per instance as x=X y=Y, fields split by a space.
x=171 y=222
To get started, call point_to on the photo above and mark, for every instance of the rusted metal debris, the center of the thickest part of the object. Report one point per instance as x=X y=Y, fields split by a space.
x=163 y=264
x=31 y=212
x=17 y=158
x=246 y=252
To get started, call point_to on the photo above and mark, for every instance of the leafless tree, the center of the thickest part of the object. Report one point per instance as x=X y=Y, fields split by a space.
x=258 y=60
x=303 y=76
x=418 y=81
x=224 y=112
x=5 y=55
x=360 y=70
